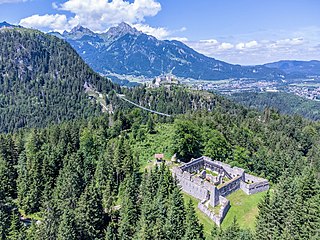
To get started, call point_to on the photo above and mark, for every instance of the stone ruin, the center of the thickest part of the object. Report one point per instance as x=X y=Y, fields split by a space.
x=211 y=181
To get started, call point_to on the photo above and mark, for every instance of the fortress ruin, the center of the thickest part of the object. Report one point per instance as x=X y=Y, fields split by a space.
x=211 y=181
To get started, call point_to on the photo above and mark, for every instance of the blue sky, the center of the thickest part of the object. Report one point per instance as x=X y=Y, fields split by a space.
x=237 y=31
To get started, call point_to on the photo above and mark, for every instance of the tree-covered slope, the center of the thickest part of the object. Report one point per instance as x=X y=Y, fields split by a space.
x=284 y=102
x=83 y=178
x=41 y=80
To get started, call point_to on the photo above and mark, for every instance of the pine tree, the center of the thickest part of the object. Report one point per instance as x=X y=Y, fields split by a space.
x=310 y=209
x=69 y=183
x=16 y=228
x=151 y=125
x=49 y=225
x=67 y=228
x=129 y=211
x=89 y=214
x=5 y=211
x=214 y=232
x=160 y=213
x=232 y=232
x=4 y=177
x=111 y=233
x=194 y=230
x=33 y=232
x=146 y=221
x=8 y=159
x=263 y=223
x=175 y=224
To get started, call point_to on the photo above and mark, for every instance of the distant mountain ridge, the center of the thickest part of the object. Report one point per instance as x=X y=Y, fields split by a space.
x=297 y=68
x=8 y=25
x=124 y=50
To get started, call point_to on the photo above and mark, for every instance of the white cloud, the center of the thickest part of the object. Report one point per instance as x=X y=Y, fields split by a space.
x=181 y=39
x=225 y=46
x=288 y=42
x=98 y=15
x=251 y=44
x=209 y=42
x=56 y=21
x=160 y=33
x=183 y=29
x=257 y=51
x=242 y=46
x=11 y=1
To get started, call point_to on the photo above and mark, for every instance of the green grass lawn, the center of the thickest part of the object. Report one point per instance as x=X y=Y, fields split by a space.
x=244 y=207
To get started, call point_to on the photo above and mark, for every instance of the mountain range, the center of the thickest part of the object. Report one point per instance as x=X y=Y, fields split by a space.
x=123 y=53
x=297 y=68
x=123 y=50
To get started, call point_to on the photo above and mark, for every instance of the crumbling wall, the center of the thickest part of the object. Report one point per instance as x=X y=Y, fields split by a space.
x=225 y=205
x=193 y=165
x=230 y=186
x=192 y=185
x=206 y=191
x=254 y=187
x=253 y=184
x=217 y=218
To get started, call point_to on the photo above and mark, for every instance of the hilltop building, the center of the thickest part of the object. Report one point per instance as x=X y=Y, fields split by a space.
x=165 y=80
x=211 y=181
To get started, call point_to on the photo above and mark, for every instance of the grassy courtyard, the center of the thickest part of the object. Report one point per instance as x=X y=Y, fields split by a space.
x=244 y=207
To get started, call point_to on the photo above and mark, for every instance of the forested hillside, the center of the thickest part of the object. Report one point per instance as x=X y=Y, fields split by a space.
x=83 y=180
x=176 y=100
x=283 y=102
x=91 y=177
x=41 y=81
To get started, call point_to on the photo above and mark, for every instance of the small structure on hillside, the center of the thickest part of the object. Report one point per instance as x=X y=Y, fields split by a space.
x=211 y=181
x=159 y=158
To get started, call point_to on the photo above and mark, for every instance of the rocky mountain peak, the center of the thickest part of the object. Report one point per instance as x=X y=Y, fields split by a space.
x=122 y=29
x=80 y=29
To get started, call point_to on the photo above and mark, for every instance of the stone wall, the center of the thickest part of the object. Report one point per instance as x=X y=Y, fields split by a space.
x=217 y=218
x=210 y=214
x=206 y=191
x=231 y=172
x=225 y=205
x=192 y=185
x=254 y=187
x=194 y=165
x=253 y=184
x=214 y=196
x=230 y=186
